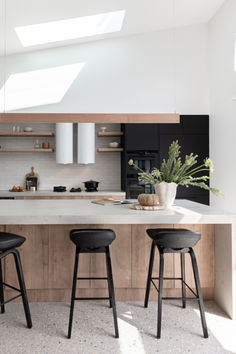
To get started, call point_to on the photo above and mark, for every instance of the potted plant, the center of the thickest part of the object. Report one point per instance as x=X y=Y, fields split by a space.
x=174 y=172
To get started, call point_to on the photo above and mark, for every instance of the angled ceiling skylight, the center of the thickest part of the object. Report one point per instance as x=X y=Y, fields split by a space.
x=73 y=28
x=37 y=88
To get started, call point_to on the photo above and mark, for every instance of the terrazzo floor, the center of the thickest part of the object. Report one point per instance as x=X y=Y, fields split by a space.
x=93 y=329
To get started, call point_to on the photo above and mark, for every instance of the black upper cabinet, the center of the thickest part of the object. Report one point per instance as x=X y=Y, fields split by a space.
x=197 y=144
x=171 y=128
x=192 y=134
x=141 y=137
x=195 y=124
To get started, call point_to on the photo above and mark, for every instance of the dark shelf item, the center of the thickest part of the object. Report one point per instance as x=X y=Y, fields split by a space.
x=59 y=189
x=91 y=186
x=74 y=190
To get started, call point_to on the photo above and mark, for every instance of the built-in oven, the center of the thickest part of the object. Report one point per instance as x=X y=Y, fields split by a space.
x=146 y=161
x=134 y=188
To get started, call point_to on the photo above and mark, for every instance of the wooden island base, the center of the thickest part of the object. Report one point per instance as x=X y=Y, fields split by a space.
x=48 y=260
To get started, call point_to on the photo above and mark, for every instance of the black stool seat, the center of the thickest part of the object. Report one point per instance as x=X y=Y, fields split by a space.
x=174 y=238
x=8 y=240
x=89 y=239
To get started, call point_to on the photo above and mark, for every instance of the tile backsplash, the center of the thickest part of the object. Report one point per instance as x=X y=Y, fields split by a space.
x=15 y=165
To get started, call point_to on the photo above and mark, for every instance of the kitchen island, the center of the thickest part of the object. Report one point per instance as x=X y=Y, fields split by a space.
x=48 y=254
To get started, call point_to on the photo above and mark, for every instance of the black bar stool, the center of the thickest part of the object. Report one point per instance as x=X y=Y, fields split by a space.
x=93 y=241
x=8 y=244
x=174 y=241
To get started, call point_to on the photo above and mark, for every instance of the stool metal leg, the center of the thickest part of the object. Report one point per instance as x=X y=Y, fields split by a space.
x=110 y=280
x=183 y=279
x=73 y=292
x=199 y=292
x=1 y=289
x=22 y=287
x=161 y=274
x=152 y=254
x=109 y=285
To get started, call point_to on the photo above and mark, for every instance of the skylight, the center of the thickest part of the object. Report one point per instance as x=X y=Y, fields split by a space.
x=73 y=28
x=37 y=88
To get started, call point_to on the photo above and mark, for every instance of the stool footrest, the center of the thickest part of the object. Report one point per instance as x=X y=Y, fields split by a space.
x=92 y=278
x=167 y=278
x=13 y=298
x=193 y=292
x=12 y=287
x=92 y=298
x=180 y=298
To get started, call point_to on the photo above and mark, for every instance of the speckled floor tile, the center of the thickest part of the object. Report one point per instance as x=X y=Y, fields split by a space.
x=93 y=331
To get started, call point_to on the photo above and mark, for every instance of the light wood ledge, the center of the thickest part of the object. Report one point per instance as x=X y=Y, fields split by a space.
x=89 y=118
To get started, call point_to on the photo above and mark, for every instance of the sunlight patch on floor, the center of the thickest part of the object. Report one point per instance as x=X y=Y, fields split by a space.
x=223 y=329
x=130 y=340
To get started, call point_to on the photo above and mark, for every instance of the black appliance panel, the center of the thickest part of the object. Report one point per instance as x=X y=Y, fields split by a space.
x=134 y=188
x=145 y=160
x=141 y=136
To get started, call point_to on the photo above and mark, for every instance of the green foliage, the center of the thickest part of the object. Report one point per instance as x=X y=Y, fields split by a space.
x=174 y=170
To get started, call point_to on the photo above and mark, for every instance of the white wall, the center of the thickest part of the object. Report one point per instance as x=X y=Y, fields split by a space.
x=14 y=166
x=129 y=74
x=139 y=73
x=222 y=36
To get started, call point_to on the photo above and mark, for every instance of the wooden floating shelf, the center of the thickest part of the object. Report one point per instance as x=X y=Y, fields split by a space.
x=89 y=117
x=24 y=134
x=25 y=150
x=110 y=149
x=110 y=133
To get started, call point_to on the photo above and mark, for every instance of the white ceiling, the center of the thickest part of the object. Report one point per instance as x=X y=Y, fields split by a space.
x=141 y=16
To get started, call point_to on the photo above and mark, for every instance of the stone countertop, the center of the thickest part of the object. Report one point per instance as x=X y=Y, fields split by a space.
x=84 y=212
x=46 y=193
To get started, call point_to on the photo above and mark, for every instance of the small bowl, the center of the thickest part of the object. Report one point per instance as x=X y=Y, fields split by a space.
x=28 y=129
x=103 y=129
x=114 y=144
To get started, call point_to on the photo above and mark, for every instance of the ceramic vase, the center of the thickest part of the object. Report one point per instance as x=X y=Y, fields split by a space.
x=166 y=193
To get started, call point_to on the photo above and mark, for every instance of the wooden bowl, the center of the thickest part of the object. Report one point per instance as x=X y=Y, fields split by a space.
x=148 y=199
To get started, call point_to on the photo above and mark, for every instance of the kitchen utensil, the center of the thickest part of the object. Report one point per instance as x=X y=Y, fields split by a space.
x=31 y=179
x=28 y=129
x=91 y=186
x=28 y=183
x=36 y=144
x=103 y=129
x=45 y=145
x=114 y=144
x=74 y=190
x=59 y=189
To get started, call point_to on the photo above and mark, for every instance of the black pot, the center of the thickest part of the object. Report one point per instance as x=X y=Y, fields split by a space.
x=91 y=186
x=59 y=189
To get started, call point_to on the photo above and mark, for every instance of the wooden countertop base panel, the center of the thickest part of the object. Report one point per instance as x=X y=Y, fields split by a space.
x=48 y=259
